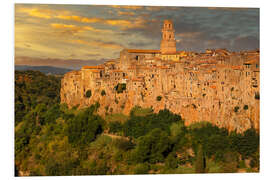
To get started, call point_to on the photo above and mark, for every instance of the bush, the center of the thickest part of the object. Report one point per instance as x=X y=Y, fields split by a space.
x=123 y=144
x=153 y=147
x=103 y=93
x=115 y=127
x=84 y=127
x=141 y=169
x=88 y=94
x=236 y=108
x=171 y=161
x=158 y=98
x=138 y=126
x=247 y=143
x=200 y=163
x=214 y=140
x=257 y=96
x=230 y=162
x=245 y=107
x=120 y=87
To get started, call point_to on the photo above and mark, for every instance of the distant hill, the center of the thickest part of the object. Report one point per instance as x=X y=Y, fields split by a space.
x=44 y=69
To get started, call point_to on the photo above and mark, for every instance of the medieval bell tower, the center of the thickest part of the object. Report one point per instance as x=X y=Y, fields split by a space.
x=168 y=43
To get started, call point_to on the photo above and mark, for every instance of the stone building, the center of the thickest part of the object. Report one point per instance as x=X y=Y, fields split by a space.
x=217 y=86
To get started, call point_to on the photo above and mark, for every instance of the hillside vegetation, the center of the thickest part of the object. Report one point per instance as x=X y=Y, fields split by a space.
x=51 y=139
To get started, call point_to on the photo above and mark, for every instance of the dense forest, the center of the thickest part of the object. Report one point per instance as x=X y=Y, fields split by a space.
x=51 y=139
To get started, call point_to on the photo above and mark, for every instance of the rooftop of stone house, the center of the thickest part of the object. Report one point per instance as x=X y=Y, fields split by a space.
x=237 y=67
x=75 y=72
x=137 y=79
x=163 y=67
x=95 y=70
x=144 y=67
x=142 y=51
x=252 y=61
x=110 y=62
x=93 y=67
x=152 y=58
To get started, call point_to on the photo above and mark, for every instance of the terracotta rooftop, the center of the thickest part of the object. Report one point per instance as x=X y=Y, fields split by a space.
x=237 y=67
x=163 y=67
x=253 y=61
x=95 y=70
x=92 y=67
x=142 y=51
x=173 y=53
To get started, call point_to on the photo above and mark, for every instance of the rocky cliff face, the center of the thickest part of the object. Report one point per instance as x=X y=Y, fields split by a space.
x=231 y=105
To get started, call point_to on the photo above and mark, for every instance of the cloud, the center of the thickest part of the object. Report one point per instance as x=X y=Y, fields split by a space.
x=138 y=45
x=228 y=8
x=35 y=12
x=73 y=29
x=188 y=34
x=128 y=7
x=246 y=43
x=92 y=54
x=79 y=18
x=100 y=44
x=67 y=15
x=120 y=13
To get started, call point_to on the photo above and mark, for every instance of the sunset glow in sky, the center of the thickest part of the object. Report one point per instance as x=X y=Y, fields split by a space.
x=73 y=35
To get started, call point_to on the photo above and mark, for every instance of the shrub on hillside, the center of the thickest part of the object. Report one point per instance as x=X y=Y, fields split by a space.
x=153 y=147
x=103 y=93
x=138 y=126
x=115 y=127
x=84 y=127
x=158 y=98
x=120 y=87
x=88 y=94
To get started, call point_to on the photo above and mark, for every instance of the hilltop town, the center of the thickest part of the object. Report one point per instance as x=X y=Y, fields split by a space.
x=217 y=86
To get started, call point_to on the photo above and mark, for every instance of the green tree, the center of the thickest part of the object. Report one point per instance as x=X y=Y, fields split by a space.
x=84 y=127
x=153 y=147
x=200 y=163
x=158 y=98
x=115 y=127
x=171 y=161
x=103 y=93
x=88 y=93
x=141 y=168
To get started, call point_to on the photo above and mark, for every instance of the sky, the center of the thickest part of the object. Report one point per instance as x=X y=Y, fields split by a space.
x=71 y=36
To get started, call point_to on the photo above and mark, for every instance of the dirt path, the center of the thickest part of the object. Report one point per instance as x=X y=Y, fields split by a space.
x=116 y=136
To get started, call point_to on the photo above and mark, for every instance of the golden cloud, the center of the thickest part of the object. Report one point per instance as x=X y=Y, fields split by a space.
x=79 y=18
x=66 y=15
x=73 y=29
x=109 y=45
x=128 y=7
x=126 y=13
x=35 y=12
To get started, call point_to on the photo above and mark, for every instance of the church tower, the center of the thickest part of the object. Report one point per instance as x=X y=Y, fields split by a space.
x=168 y=43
